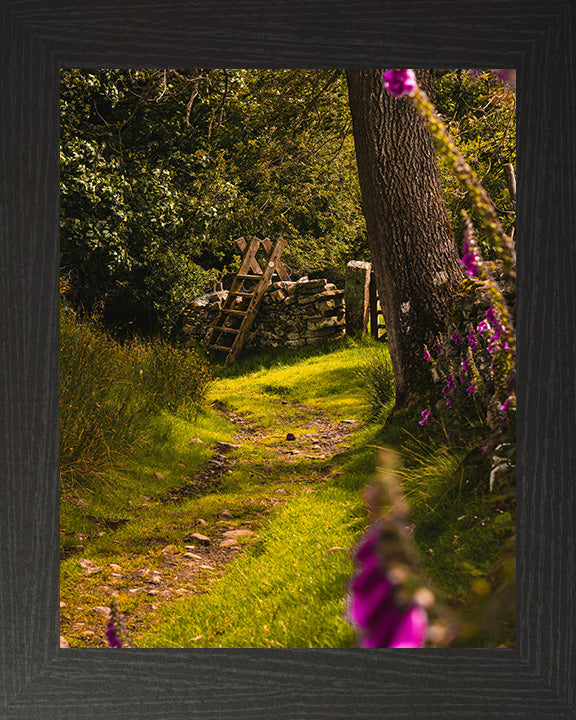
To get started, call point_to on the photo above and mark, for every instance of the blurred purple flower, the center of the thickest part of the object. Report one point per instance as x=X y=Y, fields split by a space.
x=470 y=390
x=472 y=339
x=456 y=339
x=399 y=82
x=374 y=609
x=425 y=417
x=490 y=315
x=507 y=75
x=470 y=263
x=484 y=326
x=470 y=259
x=111 y=635
x=427 y=355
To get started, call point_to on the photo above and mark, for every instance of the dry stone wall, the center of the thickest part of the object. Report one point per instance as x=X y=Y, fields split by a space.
x=292 y=314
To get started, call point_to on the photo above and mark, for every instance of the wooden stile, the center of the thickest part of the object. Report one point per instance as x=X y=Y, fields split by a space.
x=238 y=311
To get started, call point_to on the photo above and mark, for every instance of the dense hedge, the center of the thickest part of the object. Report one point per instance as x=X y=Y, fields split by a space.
x=162 y=169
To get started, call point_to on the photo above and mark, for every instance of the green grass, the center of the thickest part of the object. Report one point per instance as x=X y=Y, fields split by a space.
x=109 y=392
x=289 y=591
x=287 y=588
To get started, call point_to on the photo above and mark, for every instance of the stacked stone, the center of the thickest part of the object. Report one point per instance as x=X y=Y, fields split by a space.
x=201 y=314
x=292 y=314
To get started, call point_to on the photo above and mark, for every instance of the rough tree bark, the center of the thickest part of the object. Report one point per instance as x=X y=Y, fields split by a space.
x=414 y=255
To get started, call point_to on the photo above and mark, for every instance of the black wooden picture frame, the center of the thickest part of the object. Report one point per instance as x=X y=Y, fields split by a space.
x=37 y=679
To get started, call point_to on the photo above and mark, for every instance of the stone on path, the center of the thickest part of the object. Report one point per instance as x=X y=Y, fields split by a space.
x=101 y=610
x=202 y=539
x=230 y=542
x=237 y=533
x=90 y=567
x=225 y=447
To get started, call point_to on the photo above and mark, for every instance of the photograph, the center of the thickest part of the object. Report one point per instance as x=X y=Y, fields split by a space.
x=287 y=358
x=286 y=411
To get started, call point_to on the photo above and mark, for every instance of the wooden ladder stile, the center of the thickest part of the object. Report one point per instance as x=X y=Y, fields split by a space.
x=243 y=301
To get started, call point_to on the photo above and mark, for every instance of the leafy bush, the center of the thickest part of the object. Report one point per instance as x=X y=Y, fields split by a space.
x=480 y=115
x=162 y=170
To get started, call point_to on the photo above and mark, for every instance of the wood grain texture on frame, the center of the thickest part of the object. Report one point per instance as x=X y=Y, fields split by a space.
x=37 y=680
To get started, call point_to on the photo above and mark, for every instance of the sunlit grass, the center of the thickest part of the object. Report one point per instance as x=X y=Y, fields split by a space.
x=288 y=591
x=288 y=586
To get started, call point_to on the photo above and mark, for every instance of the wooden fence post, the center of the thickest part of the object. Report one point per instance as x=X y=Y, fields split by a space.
x=356 y=297
x=373 y=307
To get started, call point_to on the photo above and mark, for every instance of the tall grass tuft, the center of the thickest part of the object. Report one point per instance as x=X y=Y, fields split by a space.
x=109 y=391
x=378 y=377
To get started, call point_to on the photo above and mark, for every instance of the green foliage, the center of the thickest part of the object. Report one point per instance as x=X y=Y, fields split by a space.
x=289 y=591
x=110 y=391
x=375 y=370
x=99 y=416
x=162 y=170
x=478 y=352
x=480 y=115
x=306 y=516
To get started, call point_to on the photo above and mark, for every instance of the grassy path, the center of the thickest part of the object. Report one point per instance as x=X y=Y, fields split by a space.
x=234 y=530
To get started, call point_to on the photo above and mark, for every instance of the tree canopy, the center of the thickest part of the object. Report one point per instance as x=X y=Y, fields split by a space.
x=162 y=169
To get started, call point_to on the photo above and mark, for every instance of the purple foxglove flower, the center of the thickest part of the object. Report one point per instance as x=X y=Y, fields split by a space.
x=111 y=635
x=508 y=76
x=493 y=344
x=472 y=340
x=484 y=326
x=374 y=609
x=425 y=417
x=456 y=339
x=490 y=315
x=470 y=259
x=470 y=390
x=504 y=406
x=412 y=629
x=469 y=262
x=399 y=82
x=116 y=631
x=427 y=355
x=465 y=364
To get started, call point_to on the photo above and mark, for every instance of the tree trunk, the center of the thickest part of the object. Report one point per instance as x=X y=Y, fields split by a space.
x=413 y=251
